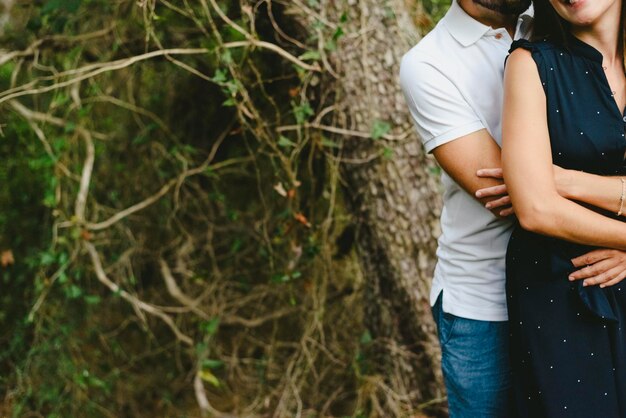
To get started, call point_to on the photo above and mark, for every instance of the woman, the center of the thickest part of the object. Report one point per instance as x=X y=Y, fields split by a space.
x=564 y=98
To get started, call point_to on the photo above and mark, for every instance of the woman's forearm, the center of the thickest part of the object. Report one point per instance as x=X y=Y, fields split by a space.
x=561 y=218
x=599 y=191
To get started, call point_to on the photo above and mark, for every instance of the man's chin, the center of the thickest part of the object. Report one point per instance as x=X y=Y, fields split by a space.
x=505 y=7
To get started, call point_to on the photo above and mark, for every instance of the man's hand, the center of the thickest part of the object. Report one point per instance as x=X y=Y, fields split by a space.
x=503 y=201
x=603 y=267
x=562 y=178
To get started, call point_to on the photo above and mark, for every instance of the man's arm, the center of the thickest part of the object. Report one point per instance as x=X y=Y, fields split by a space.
x=462 y=158
x=448 y=126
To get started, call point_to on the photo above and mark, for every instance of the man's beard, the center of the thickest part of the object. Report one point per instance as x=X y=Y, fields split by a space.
x=505 y=7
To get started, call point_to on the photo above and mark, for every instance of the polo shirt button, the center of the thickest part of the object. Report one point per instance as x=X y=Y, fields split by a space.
x=624 y=118
x=498 y=36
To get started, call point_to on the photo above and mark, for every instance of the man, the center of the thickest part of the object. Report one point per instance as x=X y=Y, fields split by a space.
x=452 y=82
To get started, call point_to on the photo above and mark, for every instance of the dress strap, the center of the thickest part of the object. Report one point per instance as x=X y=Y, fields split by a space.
x=523 y=43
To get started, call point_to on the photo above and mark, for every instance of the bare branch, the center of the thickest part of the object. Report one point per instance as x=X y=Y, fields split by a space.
x=134 y=301
x=85 y=180
x=275 y=48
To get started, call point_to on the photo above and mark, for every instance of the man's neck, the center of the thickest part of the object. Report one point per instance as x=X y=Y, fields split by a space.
x=489 y=17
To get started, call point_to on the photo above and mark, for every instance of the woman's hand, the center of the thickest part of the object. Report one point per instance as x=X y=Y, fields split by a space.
x=604 y=267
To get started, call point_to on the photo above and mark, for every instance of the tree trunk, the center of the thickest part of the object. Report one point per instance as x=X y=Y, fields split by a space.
x=395 y=199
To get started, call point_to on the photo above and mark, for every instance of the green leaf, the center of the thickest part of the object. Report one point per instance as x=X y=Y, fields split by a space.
x=280 y=278
x=302 y=112
x=210 y=172
x=338 y=33
x=380 y=129
x=434 y=170
x=366 y=338
x=220 y=76
x=226 y=57
x=70 y=127
x=285 y=142
x=212 y=364
x=70 y=6
x=330 y=45
x=73 y=292
x=209 y=377
x=92 y=299
x=47 y=259
x=310 y=55
x=210 y=327
x=236 y=246
x=328 y=143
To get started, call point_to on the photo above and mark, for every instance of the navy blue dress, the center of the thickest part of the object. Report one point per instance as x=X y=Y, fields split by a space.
x=568 y=342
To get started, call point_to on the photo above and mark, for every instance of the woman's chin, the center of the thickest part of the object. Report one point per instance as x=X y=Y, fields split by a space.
x=583 y=20
x=581 y=12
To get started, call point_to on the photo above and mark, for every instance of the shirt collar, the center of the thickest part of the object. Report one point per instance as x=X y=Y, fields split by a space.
x=462 y=26
x=524 y=23
x=467 y=30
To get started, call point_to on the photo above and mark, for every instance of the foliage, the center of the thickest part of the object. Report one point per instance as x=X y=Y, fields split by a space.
x=171 y=224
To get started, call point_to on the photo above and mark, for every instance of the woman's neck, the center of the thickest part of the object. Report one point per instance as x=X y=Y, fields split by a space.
x=603 y=35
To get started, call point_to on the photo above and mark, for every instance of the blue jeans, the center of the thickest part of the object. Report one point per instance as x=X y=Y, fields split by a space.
x=475 y=363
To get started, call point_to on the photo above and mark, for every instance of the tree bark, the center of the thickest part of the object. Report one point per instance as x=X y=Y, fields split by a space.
x=395 y=199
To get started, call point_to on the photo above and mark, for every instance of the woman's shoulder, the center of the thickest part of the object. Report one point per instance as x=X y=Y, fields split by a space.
x=540 y=45
x=542 y=54
x=522 y=61
x=525 y=63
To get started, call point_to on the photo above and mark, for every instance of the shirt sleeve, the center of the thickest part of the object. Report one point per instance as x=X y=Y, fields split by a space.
x=439 y=111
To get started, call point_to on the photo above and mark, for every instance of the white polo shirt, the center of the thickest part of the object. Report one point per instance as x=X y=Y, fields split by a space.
x=452 y=81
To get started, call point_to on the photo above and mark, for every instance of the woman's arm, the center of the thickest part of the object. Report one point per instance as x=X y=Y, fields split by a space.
x=600 y=191
x=528 y=168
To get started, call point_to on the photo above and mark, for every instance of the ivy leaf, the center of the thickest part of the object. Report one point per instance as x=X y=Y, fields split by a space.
x=328 y=143
x=302 y=112
x=209 y=377
x=338 y=33
x=212 y=364
x=285 y=142
x=210 y=327
x=310 y=55
x=388 y=153
x=366 y=338
x=70 y=6
x=380 y=129
x=220 y=76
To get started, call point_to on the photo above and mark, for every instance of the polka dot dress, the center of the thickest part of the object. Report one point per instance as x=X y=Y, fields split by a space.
x=568 y=342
